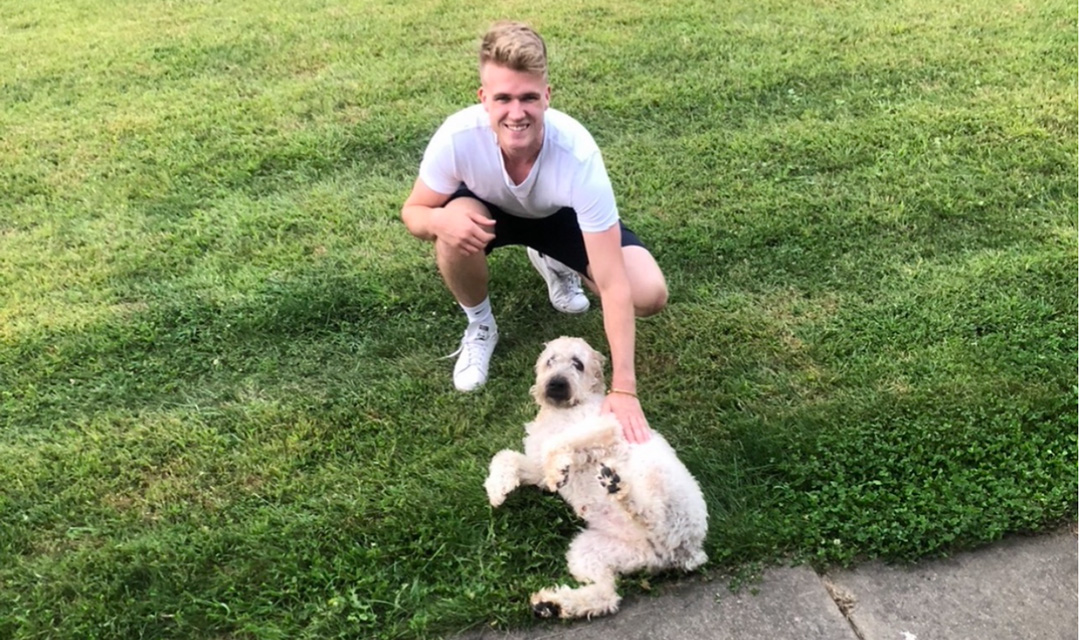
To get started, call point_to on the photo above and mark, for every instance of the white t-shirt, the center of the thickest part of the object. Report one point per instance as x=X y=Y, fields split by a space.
x=568 y=173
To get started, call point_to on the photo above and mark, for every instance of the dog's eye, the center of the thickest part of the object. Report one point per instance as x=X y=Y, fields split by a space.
x=580 y=366
x=550 y=361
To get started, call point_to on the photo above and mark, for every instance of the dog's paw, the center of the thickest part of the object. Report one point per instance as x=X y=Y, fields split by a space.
x=558 y=479
x=496 y=490
x=546 y=610
x=567 y=603
x=546 y=602
x=503 y=477
x=557 y=470
x=609 y=479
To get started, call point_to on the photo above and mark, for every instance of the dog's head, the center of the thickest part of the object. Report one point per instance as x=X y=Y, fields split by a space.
x=567 y=372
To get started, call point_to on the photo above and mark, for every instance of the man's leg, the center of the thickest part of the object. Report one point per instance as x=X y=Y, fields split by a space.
x=648 y=287
x=559 y=238
x=466 y=276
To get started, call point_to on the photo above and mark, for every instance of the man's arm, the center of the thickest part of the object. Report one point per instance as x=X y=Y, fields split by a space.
x=419 y=209
x=425 y=218
x=609 y=274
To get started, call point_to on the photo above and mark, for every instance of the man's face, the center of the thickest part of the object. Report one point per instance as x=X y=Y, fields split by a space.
x=515 y=102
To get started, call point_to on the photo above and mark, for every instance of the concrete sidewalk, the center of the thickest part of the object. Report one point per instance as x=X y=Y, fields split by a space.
x=1024 y=588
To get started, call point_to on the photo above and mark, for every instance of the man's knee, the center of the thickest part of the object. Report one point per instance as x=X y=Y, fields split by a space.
x=463 y=206
x=650 y=300
x=648 y=286
x=448 y=256
x=447 y=253
x=444 y=251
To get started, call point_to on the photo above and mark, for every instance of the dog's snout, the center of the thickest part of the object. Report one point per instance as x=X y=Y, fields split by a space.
x=557 y=389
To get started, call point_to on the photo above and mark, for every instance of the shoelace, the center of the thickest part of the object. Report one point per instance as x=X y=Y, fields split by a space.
x=570 y=285
x=472 y=356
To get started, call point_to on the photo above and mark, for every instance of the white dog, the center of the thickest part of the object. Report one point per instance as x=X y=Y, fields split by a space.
x=643 y=508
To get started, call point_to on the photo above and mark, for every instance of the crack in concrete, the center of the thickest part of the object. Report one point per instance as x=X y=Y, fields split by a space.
x=845 y=601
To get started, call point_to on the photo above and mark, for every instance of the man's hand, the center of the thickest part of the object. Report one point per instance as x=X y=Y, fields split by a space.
x=628 y=412
x=467 y=231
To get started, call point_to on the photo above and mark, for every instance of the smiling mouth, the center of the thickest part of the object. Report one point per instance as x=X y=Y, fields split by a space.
x=517 y=127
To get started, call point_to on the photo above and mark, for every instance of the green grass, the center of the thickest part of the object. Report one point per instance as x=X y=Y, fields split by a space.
x=222 y=408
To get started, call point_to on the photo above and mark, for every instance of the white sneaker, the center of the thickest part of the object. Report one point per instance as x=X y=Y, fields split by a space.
x=564 y=284
x=474 y=354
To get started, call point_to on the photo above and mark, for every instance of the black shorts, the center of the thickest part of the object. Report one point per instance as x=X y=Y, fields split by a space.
x=557 y=235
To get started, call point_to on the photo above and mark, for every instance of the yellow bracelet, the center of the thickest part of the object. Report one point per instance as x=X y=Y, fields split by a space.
x=624 y=392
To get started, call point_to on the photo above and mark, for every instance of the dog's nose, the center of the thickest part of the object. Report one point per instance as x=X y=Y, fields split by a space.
x=558 y=389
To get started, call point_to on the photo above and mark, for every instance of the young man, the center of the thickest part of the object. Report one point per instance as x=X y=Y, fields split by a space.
x=512 y=171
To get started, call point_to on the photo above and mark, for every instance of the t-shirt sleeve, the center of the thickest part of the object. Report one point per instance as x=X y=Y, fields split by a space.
x=593 y=198
x=438 y=168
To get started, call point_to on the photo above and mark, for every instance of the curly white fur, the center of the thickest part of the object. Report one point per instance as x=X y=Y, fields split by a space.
x=643 y=508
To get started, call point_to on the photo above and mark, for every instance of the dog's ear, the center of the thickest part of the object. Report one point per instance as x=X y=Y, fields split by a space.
x=596 y=371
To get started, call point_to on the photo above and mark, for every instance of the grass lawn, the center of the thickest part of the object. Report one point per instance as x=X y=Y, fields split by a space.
x=223 y=412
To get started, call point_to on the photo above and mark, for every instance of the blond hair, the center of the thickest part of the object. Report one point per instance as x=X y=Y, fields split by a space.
x=516 y=46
